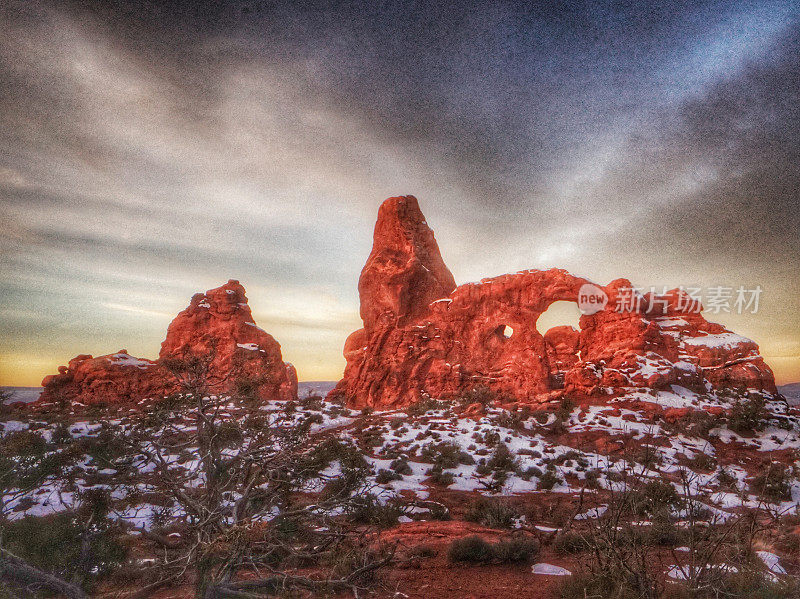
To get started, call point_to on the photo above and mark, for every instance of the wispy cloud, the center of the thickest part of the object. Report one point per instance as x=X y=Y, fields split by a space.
x=136 y=310
x=143 y=161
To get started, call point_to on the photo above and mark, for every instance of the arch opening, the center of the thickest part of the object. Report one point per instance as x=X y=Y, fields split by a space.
x=503 y=332
x=559 y=325
x=559 y=313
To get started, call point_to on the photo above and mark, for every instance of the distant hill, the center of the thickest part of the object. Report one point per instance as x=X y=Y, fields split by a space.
x=29 y=394
x=25 y=394
x=791 y=392
x=315 y=387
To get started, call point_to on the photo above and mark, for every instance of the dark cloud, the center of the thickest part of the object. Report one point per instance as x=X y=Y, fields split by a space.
x=152 y=149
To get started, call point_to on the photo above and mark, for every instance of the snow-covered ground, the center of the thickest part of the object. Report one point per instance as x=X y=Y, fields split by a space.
x=543 y=459
x=418 y=461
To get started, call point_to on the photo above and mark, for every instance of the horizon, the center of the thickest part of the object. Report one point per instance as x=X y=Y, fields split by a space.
x=152 y=152
x=560 y=312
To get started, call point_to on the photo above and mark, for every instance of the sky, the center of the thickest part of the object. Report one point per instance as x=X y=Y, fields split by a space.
x=152 y=150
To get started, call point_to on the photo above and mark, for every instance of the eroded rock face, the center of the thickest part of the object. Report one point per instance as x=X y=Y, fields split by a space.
x=113 y=378
x=216 y=329
x=404 y=272
x=423 y=336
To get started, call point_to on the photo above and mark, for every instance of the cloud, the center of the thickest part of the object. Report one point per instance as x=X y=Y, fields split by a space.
x=136 y=310
x=152 y=150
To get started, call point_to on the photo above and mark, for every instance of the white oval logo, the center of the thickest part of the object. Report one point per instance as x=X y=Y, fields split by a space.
x=591 y=299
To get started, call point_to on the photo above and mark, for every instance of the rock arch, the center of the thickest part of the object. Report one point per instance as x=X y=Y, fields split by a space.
x=423 y=336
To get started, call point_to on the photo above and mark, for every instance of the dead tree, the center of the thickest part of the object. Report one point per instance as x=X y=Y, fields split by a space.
x=238 y=479
x=24 y=575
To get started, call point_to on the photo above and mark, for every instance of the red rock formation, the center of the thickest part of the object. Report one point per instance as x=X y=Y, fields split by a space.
x=113 y=378
x=423 y=336
x=405 y=271
x=217 y=328
x=562 y=344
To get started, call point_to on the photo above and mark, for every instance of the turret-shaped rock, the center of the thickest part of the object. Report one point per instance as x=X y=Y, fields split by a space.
x=424 y=337
x=405 y=271
x=216 y=330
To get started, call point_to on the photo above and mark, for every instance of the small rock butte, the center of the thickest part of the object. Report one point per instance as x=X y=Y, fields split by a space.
x=217 y=327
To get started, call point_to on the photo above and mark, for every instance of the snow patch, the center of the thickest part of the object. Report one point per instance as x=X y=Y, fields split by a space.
x=550 y=570
x=128 y=360
x=722 y=340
